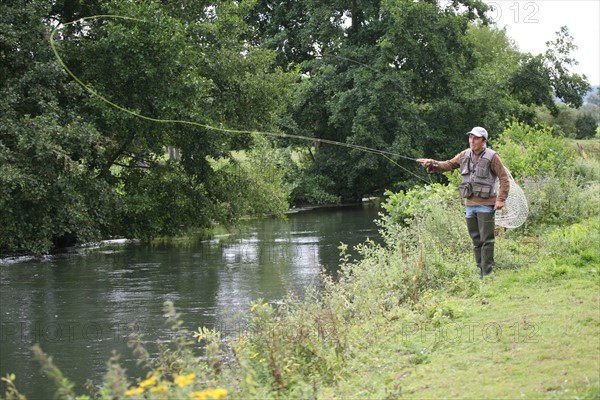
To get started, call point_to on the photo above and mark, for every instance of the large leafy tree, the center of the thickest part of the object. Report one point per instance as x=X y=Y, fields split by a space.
x=76 y=168
x=405 y=76
x=379 y=74
x=48 y=190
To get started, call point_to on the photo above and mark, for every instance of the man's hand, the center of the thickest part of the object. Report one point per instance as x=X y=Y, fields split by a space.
x=499 y=205
x=428 y=163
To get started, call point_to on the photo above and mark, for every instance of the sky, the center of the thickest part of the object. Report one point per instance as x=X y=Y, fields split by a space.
x=533 y=23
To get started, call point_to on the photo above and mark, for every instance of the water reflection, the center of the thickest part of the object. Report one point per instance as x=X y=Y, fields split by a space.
x=80 y=306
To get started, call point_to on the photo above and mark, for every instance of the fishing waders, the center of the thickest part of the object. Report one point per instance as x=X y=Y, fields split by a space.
x=481 y=230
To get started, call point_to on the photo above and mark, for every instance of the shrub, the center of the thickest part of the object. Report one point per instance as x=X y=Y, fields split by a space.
x=533 y=151
x=418 y=201
x=559 y=201
x=569 y=251
x=421 y=254
x=587 y=169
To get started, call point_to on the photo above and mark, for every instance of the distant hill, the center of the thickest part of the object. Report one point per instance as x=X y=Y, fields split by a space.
x=592 y=92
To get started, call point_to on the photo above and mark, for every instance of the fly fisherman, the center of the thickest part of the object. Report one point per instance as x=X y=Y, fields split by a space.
x=479 y=168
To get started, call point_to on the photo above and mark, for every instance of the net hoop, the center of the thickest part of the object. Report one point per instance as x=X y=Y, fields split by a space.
x=516 y=209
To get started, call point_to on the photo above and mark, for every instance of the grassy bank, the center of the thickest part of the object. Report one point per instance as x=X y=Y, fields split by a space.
x=527 y=340
x=514 y=339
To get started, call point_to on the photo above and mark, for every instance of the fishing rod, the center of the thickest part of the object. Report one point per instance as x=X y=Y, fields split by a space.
x=383 y=153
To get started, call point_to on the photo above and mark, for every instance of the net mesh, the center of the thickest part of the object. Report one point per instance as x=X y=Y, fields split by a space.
x=516 y=209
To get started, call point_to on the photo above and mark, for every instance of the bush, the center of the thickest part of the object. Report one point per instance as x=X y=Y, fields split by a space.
x=421 y=254
x=311 y=188
x=569 y=251
x=559 y=201
x=587 y=169
x=418 y=201
x=533 y=151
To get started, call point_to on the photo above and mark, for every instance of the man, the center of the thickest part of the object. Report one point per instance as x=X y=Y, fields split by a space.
x=479 y=167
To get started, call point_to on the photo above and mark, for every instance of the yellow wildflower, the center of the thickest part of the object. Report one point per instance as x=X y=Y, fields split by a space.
x=218 y=393
x=262 y=360
x=160 y=389
x=134 y=391
x=253 y=307
x=254 y=355
x=148 y=382
x=182 y=381
x=198 y=395
x=214 y=394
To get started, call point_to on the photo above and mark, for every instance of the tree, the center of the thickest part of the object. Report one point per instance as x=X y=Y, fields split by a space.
x=48 y=191
x=412 y=77
x=586 y=126
x=542 y=78
x=75 y=168
x=594 y=98
x=381 y=74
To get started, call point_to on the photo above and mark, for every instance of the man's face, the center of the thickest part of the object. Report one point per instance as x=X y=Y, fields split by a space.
x=476 y=143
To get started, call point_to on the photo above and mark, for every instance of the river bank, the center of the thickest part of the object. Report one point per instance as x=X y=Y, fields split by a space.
x=516 y=338
x=528 y=331
x=410 y=317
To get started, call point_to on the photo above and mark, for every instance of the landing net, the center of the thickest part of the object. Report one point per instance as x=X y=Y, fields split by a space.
x=516 y=208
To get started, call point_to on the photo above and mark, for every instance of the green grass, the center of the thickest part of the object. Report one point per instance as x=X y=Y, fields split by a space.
x=591 y=147
x=513 y=340
x=527 y=341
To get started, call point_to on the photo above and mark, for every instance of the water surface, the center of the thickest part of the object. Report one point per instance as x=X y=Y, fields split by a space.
x=81 y=305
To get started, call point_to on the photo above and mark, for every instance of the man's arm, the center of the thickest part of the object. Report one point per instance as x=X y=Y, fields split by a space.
x=440 y=166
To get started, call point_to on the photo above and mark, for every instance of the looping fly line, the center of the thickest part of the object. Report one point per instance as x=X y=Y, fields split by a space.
x=383 y=153
x=513 y=216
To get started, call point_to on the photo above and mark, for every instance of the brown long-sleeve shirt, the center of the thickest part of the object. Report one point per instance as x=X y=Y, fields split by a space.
x=497 y=168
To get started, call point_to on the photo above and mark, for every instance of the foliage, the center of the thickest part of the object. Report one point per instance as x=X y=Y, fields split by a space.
x=296 y=348
x=570 y=251
x=425 y=254
x=559 y=200
x=395 y=75
x=543 y=77
x=371 y=83
x=495 y=59
x=312 y=188
x=417 y=202
x=574 y=245
x=256 y=185
x=75 y=169
x=586 y=125
x=164 y=202
x=533 y=151
x=49 y=154
x=587 y=169
x=12 y=393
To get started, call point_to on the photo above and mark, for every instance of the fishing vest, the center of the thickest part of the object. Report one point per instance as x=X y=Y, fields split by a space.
x=477 y=177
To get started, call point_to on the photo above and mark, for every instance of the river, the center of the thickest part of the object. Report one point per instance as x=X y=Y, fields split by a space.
x=80 y=305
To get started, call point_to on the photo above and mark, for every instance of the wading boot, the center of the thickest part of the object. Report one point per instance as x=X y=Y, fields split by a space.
x=473 y=227
x=487 y=224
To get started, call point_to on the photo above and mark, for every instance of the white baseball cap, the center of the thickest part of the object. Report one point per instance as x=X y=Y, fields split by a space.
x=479 y=132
